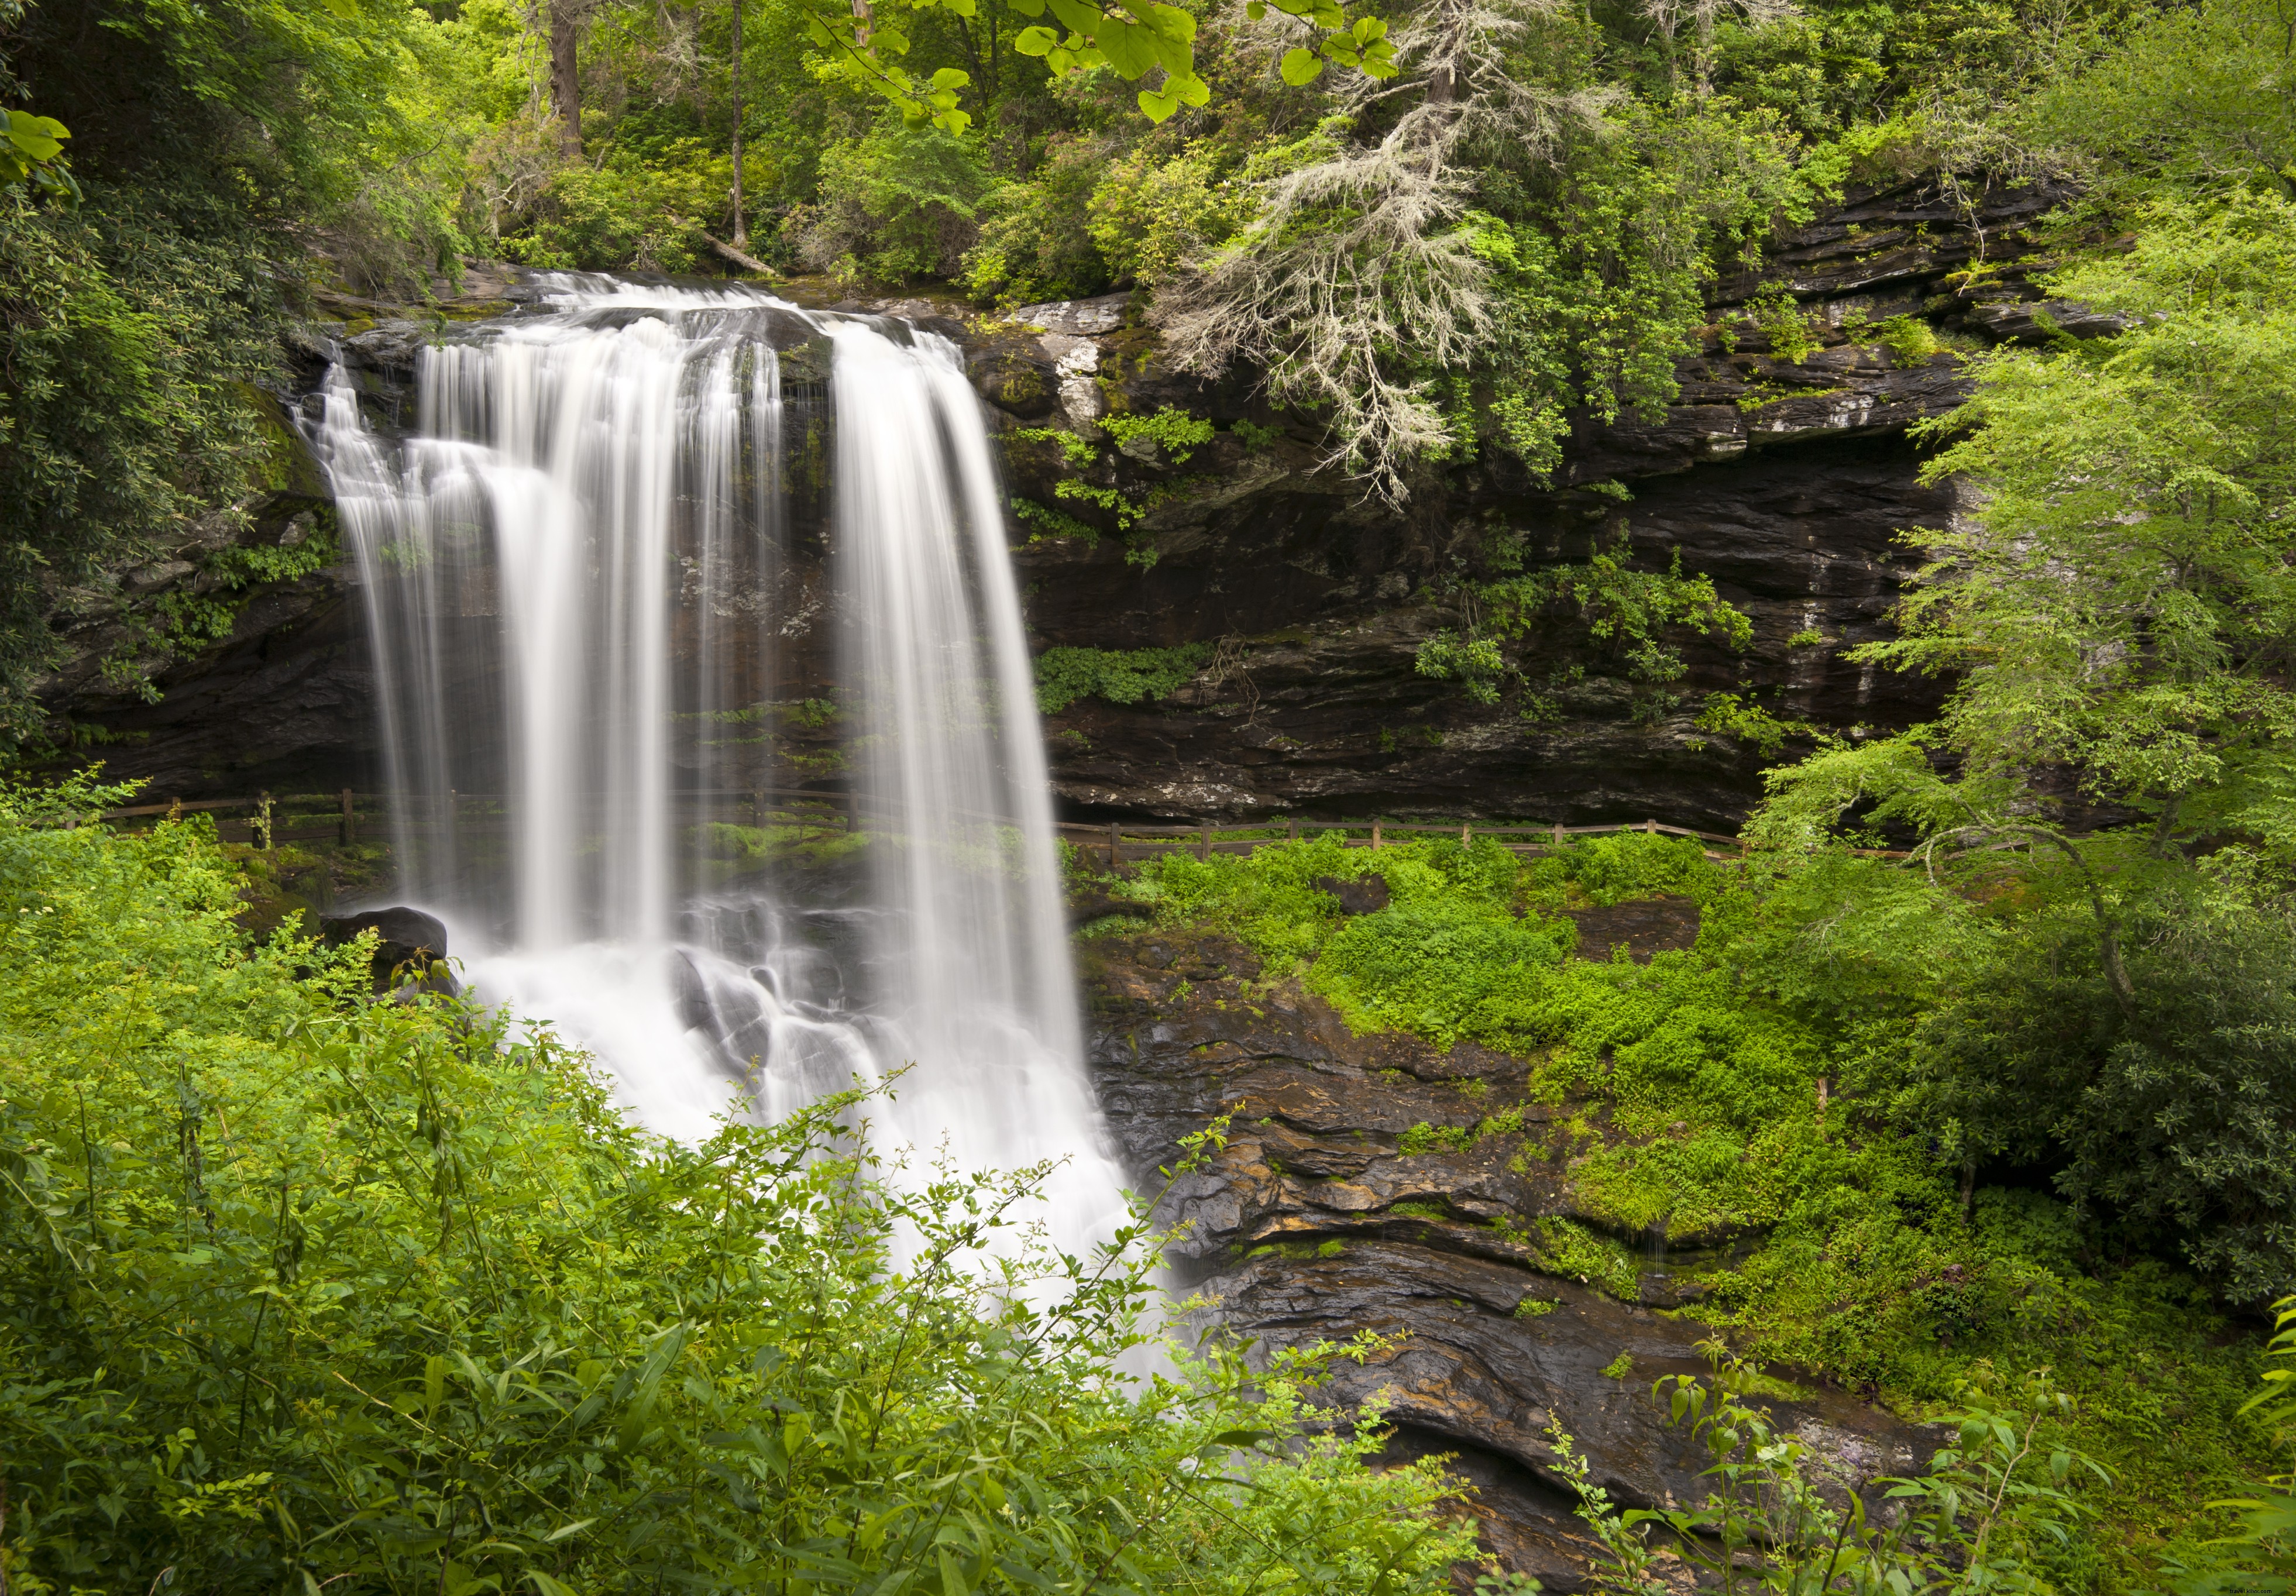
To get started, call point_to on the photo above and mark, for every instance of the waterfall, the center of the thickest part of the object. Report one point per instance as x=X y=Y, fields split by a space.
x=579 y=569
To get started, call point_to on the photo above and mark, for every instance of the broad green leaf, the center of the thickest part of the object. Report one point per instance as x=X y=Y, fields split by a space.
x=1300 y=66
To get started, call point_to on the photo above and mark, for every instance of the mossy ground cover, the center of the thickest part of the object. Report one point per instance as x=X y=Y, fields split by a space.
x=1703 y=1100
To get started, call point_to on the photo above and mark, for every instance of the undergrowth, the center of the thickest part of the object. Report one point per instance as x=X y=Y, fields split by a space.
x=1712 y=1102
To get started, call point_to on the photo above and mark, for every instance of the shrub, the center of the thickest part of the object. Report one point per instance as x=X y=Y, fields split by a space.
x=1149 y=217
x=900 y=202
x=1116 y=676
x=1034 y=244
x=2176 y=1111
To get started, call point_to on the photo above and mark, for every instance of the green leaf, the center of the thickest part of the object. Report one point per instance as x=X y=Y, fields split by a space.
x=1300 y=66
x=1131 y=49
x=1037 y=41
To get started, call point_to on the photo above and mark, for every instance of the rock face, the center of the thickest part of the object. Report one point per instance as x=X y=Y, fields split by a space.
x=1315 y=1222
x=1787 y=481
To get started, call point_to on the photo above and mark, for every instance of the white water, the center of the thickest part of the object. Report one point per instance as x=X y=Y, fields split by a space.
x=574 y=571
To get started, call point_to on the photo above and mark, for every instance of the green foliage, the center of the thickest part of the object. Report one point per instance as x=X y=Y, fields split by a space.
x=1078 y=452
x=2173 y=1112
x=1152 y=214
x=355 y=1293
x=1115 y=676
x=32 y=155
x=896 y=204
x=121 y=324
x=1991 y=1512
x=1597 y=269
x=1475 y=663
x=1035 y=243
x=1174 y=432
x=2115 y=603
x=1761 y=1093
x=1052 y=523
x=2258 y=1557
x=1774 y=312
x=1727 y=715
x=1572 y=1251
x=644 y=212
x=1632 y=616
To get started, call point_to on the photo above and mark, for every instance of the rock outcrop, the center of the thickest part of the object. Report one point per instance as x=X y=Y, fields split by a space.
x=1316 y=1222
x=1782 y=472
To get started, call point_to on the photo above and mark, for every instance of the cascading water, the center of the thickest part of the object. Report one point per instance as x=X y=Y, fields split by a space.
x=574 y=574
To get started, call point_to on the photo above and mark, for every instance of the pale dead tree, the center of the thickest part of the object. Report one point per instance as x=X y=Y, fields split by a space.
x=1354 y=273
x=1668 y=16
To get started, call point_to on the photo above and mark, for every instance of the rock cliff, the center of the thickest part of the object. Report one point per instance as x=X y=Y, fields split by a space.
x=1786 y=480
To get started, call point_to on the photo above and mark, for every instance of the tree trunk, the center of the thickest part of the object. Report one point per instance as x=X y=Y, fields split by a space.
x=740 y=224
x=566 y=75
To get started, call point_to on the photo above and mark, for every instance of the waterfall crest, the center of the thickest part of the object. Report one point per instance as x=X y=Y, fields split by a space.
x=578 y=569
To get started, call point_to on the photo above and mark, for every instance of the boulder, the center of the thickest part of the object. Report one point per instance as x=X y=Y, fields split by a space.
x=403 y=937
x=1365 y=896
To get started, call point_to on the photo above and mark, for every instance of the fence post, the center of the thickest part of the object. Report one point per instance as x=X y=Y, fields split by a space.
x=1466 y=832
x=262 y=822
x=1115 y=843
x=349 y=825
x=1558 y=833
x=1293 y=835
x=1204 y=841
x=1374 y=836
x=1650 y=828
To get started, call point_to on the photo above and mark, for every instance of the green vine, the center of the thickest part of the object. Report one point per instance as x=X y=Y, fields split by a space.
x=1115 y=676
x=1052 y=523
x=1627 y=611
x=1174 y=431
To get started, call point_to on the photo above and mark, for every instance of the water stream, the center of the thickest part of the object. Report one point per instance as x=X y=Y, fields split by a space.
x=580 y=569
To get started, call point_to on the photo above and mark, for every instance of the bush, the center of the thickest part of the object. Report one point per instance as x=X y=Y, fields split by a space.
x=302 y=1289
x=2177 y=1111
x=897 y=204
x=628 y=212
x=1034 y=244
x=1151 y=217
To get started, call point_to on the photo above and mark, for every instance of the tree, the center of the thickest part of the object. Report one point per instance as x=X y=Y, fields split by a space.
x=2120 y=604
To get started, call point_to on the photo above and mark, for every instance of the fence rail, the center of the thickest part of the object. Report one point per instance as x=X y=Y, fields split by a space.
x=271 y=819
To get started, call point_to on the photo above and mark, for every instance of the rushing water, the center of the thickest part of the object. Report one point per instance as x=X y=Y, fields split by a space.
x=577 y=568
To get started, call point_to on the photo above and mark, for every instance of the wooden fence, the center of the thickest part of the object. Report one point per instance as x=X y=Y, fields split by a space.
x=1119 y=841
x=266 y=820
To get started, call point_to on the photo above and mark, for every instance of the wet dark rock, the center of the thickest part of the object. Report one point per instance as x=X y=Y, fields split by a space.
x=1367 y=895
x=1314 y=1223
x=1642 y=926
x=404 y=937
